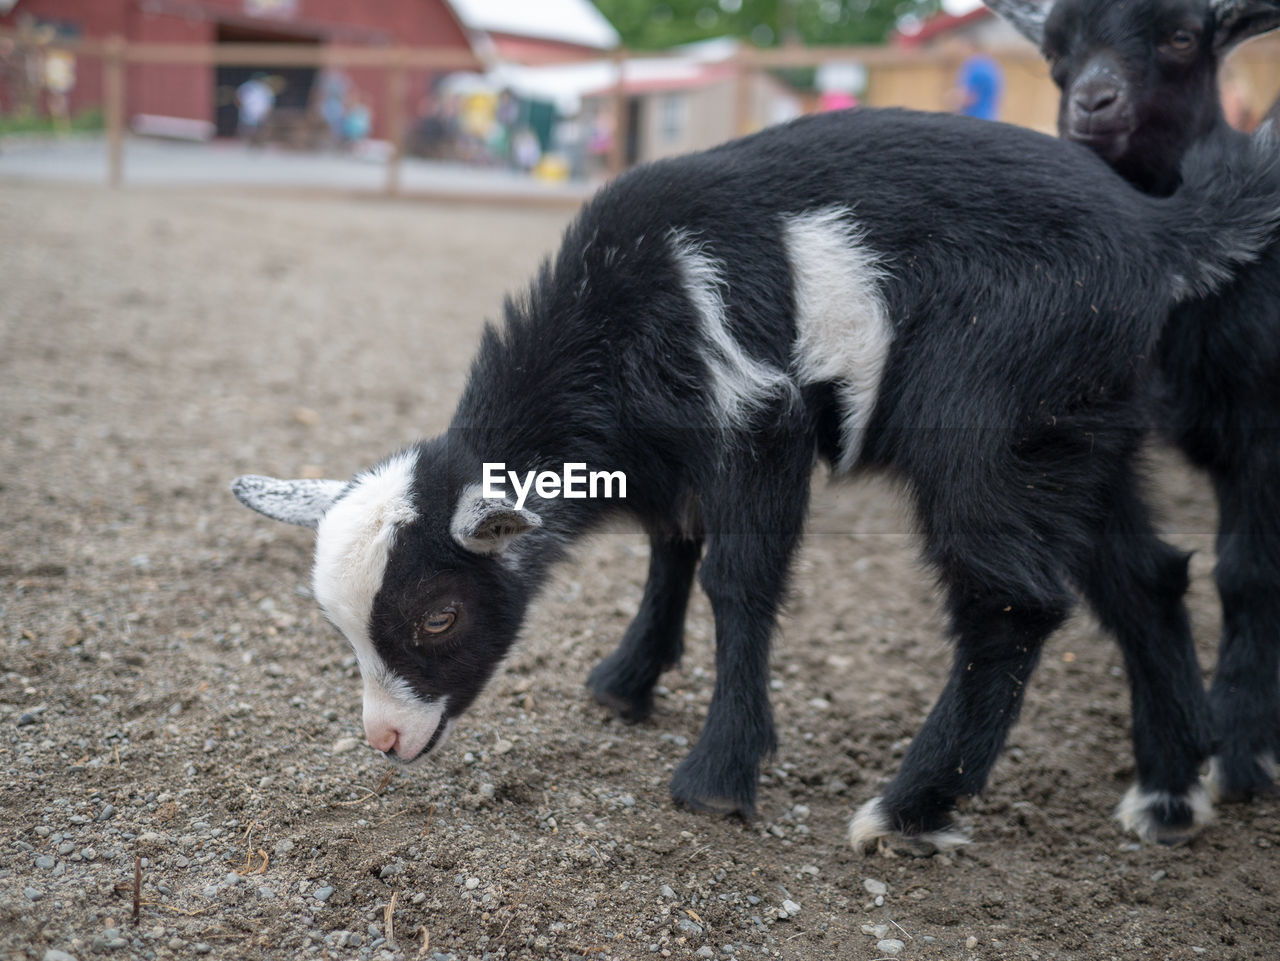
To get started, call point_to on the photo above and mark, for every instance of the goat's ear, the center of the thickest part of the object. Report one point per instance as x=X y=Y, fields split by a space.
x=301 y=502
x=1235 y=21
x=486 y=525
x=1026 y=16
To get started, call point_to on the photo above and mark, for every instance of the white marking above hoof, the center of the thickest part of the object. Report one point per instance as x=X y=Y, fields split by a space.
x=1135 y=814
x=869 y=831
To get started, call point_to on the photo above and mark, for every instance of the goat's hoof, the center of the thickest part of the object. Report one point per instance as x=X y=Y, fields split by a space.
x=1164 y=818
x=625 y=702
x=1235 y=779
x=715 y=787
x=871 y=831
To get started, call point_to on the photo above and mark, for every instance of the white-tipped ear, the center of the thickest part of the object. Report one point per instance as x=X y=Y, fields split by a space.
x=1026 y=16
x=1236 y=21
x=487 y=525
x=301 y=502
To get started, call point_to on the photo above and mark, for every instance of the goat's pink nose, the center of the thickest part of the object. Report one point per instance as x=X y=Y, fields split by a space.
x=382 y=737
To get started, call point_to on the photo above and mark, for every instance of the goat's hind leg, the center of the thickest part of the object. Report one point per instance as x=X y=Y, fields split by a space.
x=998 y=637
x=1135 y=584
x=654 y=641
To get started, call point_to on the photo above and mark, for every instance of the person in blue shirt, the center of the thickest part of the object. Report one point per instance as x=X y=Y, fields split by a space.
x=979 y=86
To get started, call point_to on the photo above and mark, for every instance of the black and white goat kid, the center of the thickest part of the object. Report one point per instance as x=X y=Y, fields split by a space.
x=890 y=291
x=1140 y=86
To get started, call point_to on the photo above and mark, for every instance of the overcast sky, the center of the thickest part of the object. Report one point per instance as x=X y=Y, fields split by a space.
x=960 y=6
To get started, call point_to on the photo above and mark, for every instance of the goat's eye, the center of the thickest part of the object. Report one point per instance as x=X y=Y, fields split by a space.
x=439 y=621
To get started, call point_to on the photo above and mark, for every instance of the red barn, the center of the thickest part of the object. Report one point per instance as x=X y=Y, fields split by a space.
x=206 y=93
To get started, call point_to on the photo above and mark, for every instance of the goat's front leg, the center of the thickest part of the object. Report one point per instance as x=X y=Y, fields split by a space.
x=654 y=641
x=753 y=528
x=1245 y=694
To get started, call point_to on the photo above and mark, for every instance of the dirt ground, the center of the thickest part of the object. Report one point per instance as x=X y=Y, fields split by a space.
x=171 y=701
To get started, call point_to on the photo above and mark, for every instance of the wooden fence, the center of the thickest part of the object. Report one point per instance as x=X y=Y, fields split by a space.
x=896 y=77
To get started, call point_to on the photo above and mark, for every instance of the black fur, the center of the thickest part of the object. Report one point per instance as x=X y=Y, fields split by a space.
x=1220 y=357
x=1012 y=406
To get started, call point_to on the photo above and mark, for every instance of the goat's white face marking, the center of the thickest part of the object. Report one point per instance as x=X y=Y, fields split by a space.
x=353 y=542
x=843 y=333
x=740 y=384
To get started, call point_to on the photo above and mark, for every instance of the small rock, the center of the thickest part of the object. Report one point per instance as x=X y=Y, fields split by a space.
x=705 y=952
x=502 y=746
x=45 y=863
x=487 y=791
x=472 y=884
x=391 y=870
x=666 y=892
x=1159 y=875
x=877 y=931
x=875 y=888
x=283 y=847
x=266 y=893
x=322 y=894
x=890 y=947
x=107 y=813
x=53 y=954
x=689 y=927
x=33 y=894
x=971 y=942
x=201 y=948
x=791 y=908
x=344 y=744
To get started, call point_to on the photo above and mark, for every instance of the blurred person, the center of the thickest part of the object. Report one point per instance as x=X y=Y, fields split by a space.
x=255 y=99
x=333 y=103
x=979 y=83
x=357 y=122
x=526 y=151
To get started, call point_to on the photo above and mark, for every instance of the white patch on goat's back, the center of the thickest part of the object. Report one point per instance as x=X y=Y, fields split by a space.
x=353 y=542
x=740 y=384
x=843 y=333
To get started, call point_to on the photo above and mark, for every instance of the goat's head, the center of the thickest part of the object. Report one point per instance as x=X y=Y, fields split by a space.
x=1138 y=79
x=420 y=581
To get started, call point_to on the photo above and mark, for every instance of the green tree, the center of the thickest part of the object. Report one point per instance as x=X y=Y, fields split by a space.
x=654 y=24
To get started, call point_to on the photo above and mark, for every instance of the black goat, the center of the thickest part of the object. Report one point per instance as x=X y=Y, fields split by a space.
x=1139 y=86
x=892 y=291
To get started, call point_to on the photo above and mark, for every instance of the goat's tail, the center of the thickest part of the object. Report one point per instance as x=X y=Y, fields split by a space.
x=1225 y=214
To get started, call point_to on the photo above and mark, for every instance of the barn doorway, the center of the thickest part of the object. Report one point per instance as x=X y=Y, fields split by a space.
x=292 y=114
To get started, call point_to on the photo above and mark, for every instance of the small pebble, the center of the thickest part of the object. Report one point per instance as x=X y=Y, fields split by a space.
x=689 y=927
x=875 y=888
x=33 y=894
x=890 y=947
x=323 y=894
x=705 y=952
x=45 y=863
x=53 y=954
x=971 y=942
x=791 y=908
x=877 y=931
x=344 y=744
x=472 y=883
x=283 y=847
x=670 y=895
x=107 y=813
